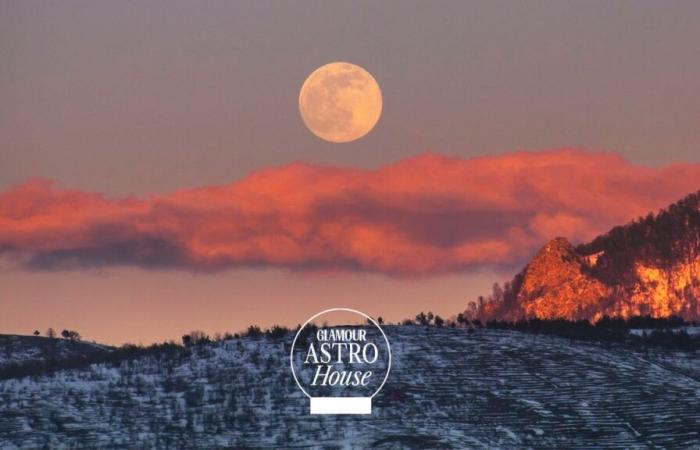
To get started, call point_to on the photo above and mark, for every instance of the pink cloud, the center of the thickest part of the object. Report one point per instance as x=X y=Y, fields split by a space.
x=420 y=216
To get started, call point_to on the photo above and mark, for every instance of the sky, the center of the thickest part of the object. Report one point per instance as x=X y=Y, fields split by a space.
x=156 y=176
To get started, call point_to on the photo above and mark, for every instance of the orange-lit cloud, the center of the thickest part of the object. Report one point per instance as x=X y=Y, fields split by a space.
x=424 y=215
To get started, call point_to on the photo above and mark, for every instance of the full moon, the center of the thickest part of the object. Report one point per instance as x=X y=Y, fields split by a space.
x=340 y=102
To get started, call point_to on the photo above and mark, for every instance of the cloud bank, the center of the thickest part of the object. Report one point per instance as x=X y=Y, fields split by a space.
x=425 y=215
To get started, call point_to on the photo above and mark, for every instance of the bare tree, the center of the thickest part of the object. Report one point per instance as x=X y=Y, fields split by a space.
x=195 y=337
x=422 y=319
x=70 y=335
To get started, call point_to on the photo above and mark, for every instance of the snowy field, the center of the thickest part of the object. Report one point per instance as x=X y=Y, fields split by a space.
x=692 y=331
x=447 y=389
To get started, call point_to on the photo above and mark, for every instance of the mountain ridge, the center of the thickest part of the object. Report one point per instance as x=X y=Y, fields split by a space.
x=650 y=266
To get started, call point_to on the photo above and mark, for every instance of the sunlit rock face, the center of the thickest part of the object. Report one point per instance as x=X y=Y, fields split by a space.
x=661 y=291
x=557 y=284
x=649 y=266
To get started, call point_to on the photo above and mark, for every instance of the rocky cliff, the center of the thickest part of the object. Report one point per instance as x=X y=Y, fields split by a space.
x=649 y=266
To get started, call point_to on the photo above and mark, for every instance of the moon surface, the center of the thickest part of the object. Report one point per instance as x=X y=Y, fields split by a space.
x=340 y=102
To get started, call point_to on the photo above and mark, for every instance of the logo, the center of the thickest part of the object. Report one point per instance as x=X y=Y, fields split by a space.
x=342 y=364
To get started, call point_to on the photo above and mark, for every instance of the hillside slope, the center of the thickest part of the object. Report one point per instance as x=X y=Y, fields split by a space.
x=447 y=389
x=18 y=350
x=648 y=267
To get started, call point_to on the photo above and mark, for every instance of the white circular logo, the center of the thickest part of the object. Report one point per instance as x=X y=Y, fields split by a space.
x=340 y=367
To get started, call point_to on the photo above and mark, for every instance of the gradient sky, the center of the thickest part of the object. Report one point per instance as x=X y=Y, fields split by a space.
x=144 y=99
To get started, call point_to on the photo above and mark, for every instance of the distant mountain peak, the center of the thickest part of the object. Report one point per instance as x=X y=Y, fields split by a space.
x=556 y=252
x=649 y=266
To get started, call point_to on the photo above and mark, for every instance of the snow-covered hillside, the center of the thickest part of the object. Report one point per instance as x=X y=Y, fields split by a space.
x=447 y=389
x=16 y=349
